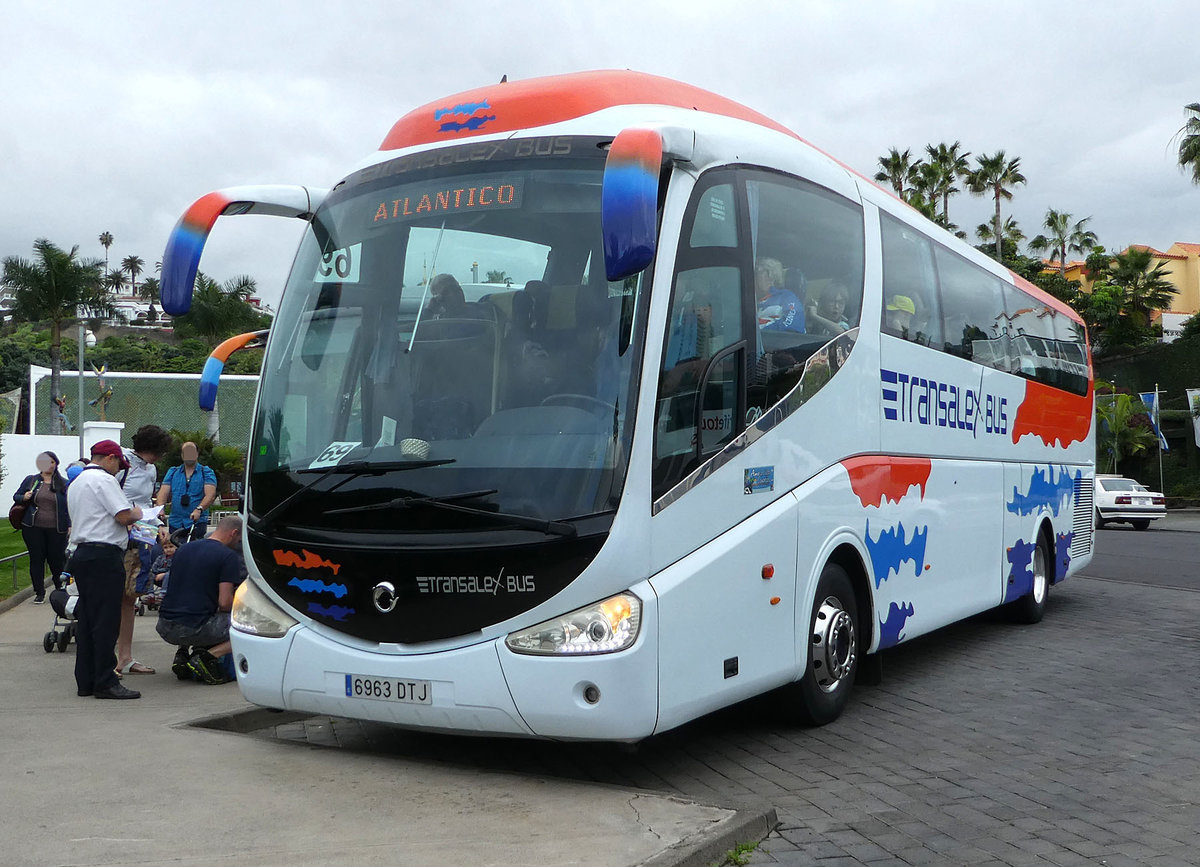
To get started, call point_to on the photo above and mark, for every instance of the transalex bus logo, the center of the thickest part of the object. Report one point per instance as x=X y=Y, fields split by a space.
x=917 y=400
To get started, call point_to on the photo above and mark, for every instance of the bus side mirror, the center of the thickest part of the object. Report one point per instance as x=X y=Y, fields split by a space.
x=629 y=201
x=211 y=376
x=182 y=257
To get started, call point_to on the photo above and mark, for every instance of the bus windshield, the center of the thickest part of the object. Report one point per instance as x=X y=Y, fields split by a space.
x=450 y=309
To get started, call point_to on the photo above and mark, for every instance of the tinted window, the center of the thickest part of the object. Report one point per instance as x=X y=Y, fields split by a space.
x=911 y=310
x=972 y=310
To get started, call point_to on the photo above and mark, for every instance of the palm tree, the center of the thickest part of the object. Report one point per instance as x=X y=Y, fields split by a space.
x=1063 y=237
x=133 y=265
x=106 y=241
x=114 y=281
x=1117 y=434
x=1189 y=142
x=896 y=169
x=219 y=310
x=953 y=163
x=148 y=291
x=1009 y=232
x=1144 y=283
x=53 y=286
x=996 y=175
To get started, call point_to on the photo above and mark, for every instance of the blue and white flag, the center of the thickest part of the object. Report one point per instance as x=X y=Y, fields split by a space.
x=1150 y=399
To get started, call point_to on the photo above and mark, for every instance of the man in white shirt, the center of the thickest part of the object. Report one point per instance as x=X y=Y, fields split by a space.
x=100 y=515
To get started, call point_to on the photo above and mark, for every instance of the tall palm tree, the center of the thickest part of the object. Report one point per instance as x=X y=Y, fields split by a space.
x=896 y=169
x=52 y=287
x=133 y=265
x=1189 y=142
x=114 y=281
x=1144 y=283
x=1063 y=237
x=106 y=241
x=996 y=175
x=953 y=162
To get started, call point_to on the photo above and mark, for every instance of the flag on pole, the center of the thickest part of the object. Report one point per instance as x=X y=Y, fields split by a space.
x=1193 y=399
x=1150 y=399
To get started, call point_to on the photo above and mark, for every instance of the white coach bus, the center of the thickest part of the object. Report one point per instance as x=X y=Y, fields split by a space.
x=729 y=419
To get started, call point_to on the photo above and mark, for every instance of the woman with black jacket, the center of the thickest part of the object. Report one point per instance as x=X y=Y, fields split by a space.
x=46 y=522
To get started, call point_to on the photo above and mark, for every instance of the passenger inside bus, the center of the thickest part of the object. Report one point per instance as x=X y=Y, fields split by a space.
x=779 y=309
x=899 y=315
x=828 y=316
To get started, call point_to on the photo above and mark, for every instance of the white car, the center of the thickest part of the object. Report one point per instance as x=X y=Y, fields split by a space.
x=1119 y=499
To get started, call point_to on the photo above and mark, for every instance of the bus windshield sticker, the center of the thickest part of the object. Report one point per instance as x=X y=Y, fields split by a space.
x=339 y=266
x=759 y=479
x=334 y=452
x=387 y=432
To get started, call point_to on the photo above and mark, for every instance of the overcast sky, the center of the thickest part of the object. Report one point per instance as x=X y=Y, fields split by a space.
x=115 y=117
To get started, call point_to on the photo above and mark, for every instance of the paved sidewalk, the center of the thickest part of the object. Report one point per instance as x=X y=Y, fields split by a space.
x=108 y=782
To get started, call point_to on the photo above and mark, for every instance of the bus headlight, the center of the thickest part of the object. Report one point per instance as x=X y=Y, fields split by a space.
x=254 y=613
x=605 y=627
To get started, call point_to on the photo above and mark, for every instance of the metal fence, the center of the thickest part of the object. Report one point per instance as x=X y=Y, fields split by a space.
x=169 y=400
x=13 y=558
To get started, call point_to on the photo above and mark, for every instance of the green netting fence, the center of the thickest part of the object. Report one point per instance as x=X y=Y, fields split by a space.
x=169 y=400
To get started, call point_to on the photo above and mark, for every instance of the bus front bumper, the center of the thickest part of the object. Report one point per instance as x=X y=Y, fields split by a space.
x=483 y=688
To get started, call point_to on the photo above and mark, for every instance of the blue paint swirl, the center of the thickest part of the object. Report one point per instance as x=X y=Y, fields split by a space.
x=891 y=629
x=312 y=585
x=892 y=549
x=333 y=612
x=1020 y=576
x=1045 y=491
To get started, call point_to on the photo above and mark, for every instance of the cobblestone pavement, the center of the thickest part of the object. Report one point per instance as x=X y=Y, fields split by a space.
x=1076 y=741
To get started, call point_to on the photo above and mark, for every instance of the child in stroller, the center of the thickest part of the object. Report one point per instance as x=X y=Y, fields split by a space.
x=63 y=601
x=160 y=574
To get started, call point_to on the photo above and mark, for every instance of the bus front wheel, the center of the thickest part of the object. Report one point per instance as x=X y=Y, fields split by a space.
x=822 y=692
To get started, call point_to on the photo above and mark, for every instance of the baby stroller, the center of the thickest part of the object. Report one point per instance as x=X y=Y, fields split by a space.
x=63 y=601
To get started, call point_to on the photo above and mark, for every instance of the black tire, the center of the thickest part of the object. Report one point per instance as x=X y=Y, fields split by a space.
x=64 y=639
x=48 y=641
x=1031 y=607
x=1140 y=525
x=1099 y=520
x=821 y=693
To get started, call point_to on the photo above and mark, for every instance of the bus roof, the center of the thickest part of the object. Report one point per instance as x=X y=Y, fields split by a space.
x=534 y=102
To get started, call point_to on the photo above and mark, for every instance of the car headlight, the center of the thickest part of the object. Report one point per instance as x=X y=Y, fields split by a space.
x=604 y=627
x=254 y=613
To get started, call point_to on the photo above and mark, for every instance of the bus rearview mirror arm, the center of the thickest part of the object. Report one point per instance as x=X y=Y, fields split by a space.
x=186 y=243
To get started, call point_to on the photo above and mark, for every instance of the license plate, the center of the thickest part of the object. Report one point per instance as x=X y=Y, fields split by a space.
x=1141 y=501
x=389 y=689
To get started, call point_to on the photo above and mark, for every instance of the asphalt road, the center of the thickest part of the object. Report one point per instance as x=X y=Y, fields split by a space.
x=1075 y=741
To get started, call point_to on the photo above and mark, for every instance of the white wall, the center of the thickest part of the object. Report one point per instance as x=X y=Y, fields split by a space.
x=21 y=451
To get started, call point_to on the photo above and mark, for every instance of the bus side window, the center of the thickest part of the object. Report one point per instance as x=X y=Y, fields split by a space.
x=972 y=309
x=706 y=317
x=909 y=281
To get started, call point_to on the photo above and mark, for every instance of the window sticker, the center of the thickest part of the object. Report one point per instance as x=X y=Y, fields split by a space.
x=333 y=454
x=759 y=479
x=387 y=432
x=339 y=266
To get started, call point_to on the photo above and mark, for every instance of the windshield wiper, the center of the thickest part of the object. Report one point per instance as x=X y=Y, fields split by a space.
x=352 y=470
x=554 y=528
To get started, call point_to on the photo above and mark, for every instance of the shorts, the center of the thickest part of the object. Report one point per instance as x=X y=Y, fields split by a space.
x=214 y=630
x=137 y=568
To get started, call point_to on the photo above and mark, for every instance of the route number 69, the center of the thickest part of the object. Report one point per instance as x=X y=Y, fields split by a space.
x=339 y=266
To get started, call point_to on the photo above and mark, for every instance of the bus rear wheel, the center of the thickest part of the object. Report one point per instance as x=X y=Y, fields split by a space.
x=820 y=696
x=1031 y=607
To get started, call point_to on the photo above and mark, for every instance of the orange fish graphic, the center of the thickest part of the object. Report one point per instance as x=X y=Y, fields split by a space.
x=308 y=561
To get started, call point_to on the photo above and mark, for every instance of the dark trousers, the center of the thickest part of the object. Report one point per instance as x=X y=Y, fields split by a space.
x=46 y=545
x=99 y=573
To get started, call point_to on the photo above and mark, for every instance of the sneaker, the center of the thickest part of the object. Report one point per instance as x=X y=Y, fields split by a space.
x=179 y=666
x=206 y=668
x=39 y=600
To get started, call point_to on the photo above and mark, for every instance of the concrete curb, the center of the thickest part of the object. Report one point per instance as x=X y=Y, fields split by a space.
x=709 y=846
x=15 y=600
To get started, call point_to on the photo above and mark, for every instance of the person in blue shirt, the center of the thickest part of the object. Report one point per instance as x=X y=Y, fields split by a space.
x=190 y=488
x=779 y=309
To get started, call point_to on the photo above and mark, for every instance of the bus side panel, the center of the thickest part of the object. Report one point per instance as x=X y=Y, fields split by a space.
x=726 y=632
x=933 y=538
x=1034 y=494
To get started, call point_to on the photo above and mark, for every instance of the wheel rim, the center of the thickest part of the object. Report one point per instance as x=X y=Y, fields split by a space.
x=1040 y=582
x=834 y=645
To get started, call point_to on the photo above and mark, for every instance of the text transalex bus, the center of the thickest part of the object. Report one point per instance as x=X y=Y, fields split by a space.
x=721 y=417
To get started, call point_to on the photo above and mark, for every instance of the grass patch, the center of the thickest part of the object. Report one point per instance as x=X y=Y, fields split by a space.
x=739 y=855
x=11 y=542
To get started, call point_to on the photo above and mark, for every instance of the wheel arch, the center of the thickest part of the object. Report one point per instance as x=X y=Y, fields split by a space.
x=850 y=558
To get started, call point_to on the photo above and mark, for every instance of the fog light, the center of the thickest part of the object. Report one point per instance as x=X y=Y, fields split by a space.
x=591 y=693
x=244 y=666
